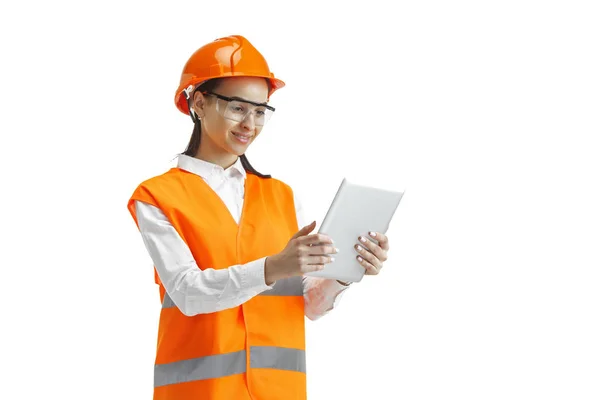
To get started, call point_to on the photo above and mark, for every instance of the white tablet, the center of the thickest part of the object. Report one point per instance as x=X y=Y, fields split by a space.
x=355 y=211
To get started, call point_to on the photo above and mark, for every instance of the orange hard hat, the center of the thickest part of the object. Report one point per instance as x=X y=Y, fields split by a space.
x=224 y=57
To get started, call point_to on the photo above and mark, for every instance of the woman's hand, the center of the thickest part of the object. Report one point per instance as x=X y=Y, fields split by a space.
x=303 y=253
x=372 y=255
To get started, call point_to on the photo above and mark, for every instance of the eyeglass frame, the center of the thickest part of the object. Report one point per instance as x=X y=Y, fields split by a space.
x=235 y=98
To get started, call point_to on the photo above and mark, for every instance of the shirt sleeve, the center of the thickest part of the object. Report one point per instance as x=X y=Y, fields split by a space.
x=320 y=295
x=195 y=291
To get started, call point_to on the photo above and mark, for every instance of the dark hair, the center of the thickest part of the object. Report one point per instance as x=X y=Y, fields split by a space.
x=194 y=144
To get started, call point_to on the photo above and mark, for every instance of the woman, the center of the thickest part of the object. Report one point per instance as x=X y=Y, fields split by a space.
x=229 y=257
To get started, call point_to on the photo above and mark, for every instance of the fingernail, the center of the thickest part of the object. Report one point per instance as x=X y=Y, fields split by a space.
x=337 y=250
x=359 y=258
x=332 y=259
x=372 y=234
x=358 y=247
x=362 y=239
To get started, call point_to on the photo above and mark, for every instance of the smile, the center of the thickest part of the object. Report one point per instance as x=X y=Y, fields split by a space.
x=242 y=138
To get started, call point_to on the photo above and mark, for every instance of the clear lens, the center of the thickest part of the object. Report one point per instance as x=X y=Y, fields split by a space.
x=237 y=111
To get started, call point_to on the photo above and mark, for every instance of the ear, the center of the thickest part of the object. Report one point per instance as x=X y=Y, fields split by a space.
x=198 y=104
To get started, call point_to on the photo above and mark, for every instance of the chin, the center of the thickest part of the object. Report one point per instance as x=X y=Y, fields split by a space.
x=236 y=149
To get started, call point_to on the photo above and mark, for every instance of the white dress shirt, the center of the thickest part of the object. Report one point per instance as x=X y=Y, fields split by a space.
x=195 y=291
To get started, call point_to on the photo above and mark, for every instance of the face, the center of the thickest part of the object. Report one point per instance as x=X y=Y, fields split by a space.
x=223 y=137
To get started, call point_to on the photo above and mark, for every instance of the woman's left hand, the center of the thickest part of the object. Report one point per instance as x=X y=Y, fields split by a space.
x=372 y=255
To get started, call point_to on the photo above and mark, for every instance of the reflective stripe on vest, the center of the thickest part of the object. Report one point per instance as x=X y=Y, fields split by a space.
x=167 y=302
x=229 y=364
x=284 y=287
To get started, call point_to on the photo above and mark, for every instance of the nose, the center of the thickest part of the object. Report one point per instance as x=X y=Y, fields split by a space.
x=248 y=121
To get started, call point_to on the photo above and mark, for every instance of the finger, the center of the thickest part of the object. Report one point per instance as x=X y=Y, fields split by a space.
x=373 y=248
x=316 y=260
x=368 y=256
x=370 y=268
x=381 y=239
x=315 y=238
x=323 y=249
x=305 y=230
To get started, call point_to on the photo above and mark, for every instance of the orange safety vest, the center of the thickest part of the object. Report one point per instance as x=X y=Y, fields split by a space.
x=255 y=351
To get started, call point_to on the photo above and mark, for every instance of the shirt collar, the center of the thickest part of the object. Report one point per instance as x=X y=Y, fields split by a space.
x=207 y=169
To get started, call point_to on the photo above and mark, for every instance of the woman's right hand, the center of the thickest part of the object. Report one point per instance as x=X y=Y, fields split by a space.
x=303 y=253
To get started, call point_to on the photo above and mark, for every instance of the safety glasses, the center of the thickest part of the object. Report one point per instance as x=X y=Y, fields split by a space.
x=236 y=109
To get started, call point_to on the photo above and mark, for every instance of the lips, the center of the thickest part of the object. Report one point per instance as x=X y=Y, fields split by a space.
x=242 y=135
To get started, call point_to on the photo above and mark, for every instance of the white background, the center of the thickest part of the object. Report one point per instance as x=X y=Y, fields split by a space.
x=487 y=113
